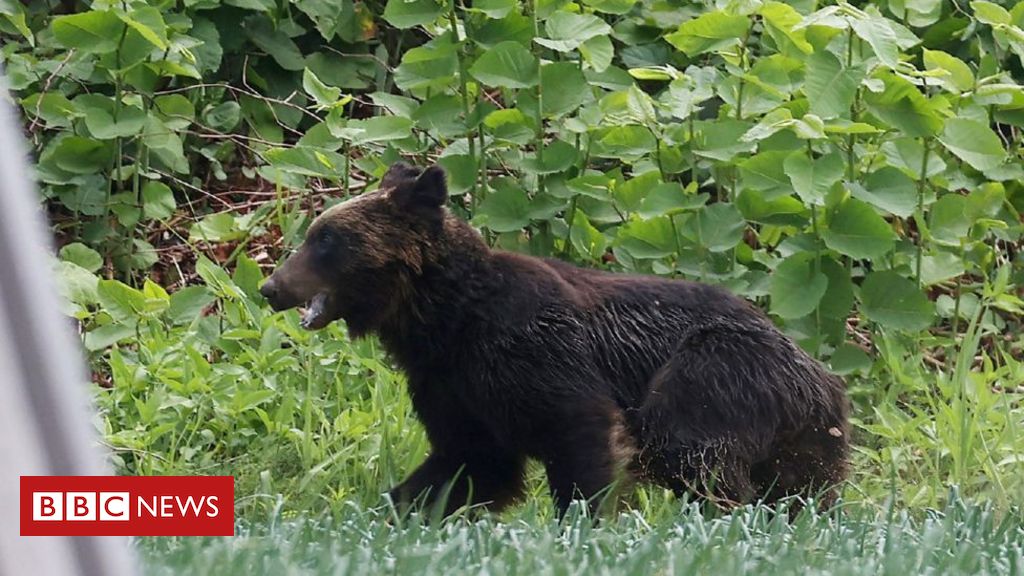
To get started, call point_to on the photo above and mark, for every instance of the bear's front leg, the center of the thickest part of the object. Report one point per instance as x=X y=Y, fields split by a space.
x=445 y=483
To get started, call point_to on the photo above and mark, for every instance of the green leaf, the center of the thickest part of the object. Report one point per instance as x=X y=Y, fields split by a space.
x=586 y=239
x=121 y=301
x=780 y=20
x=158 y=200
x=504 y=209
x=974 y=143
x=629 y=195
x=558 y=156
x=76 y=284
x=410 y=13
x=647 y=239
x=14 y=13
x=907 y=154
x=895 y=302
x=176 y=111
x=723 y=140
x=598 y=52
x=949 y=220
x=765 y=173
x=224 y=116
x=565 y=88
x=959 y=77
x=188 y=303
x=307 y=161
x=611 y=6
x=325 y=96
x=149 y=23
x=940 y=266
x=377 y=129
x=276 y=43
x=247 y=276
x=857 y=231
x=796 y=288
x=82 y=155
x=902 y=106
x=507 y=65
x=566 y=31
x=165 y=144
x=849 y=359
x=838 y=299
x=257 y=5
x=918 y=13
x=99 y=117
x=494 y=8
x=718 y=227
x=596 y=185
x=623 y=142
x=52 y=107
x=888 y=189
x=812 y=179
x=82 y=255
x=830 y=87
x=461 y=170
x=777 y=210
x=429 y=66
x=218 y=227
x=990 y=13
x=217 y=279
x=712 y=31
x=95 y=32
x=669 y=198
x=108 y=335
x=880 y=36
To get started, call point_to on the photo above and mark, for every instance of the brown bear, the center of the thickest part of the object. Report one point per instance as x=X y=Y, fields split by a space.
x=510 y=357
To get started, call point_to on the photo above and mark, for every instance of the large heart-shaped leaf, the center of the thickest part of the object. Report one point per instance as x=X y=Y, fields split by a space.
x=895 y=302
x=813 y=178
x=973 y=142
x=507 y=65
x=830 y=86
x=709 y=32
x=796 y=287
x=858 y=231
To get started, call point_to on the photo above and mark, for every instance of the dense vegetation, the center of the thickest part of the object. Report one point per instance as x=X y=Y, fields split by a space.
x=854 y=168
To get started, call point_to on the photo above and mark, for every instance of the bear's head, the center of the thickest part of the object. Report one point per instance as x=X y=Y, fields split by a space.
x=358 y=257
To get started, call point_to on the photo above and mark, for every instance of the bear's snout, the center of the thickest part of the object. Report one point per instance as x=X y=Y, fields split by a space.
x=272 y=293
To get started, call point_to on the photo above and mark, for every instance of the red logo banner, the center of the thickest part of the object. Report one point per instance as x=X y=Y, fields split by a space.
x=127 y=506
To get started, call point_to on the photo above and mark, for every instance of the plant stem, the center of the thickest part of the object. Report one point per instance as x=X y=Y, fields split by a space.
x=693 y=156
x=919 y=213
x=570 y=217
x=540 y=103
x=679 y=248
x=959 y=286
x=460 y=57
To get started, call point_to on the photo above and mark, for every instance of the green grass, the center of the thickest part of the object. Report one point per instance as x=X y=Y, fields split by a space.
x=959 y=539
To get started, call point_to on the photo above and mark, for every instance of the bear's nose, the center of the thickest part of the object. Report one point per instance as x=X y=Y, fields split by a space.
x=269 y=290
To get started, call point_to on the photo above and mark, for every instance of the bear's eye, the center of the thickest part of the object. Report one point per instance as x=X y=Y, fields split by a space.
x=329 y=242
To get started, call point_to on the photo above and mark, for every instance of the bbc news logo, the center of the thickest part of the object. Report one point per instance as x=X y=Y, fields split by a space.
x=127 y=505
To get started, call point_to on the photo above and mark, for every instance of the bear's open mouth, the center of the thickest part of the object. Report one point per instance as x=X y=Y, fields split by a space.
x=314 y=313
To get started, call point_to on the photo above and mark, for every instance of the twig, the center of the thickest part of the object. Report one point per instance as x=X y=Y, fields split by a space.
x=46 y=88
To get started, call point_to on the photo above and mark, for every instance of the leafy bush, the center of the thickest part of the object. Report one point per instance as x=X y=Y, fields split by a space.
x=856 y=169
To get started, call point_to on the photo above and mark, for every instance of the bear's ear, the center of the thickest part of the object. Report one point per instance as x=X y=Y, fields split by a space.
x=429 y=190
x=397 y=173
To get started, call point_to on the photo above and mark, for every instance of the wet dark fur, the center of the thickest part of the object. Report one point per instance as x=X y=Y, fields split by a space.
x=512 y=357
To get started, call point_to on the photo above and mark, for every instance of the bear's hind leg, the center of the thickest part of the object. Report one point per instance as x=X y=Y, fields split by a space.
x=709 y=470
